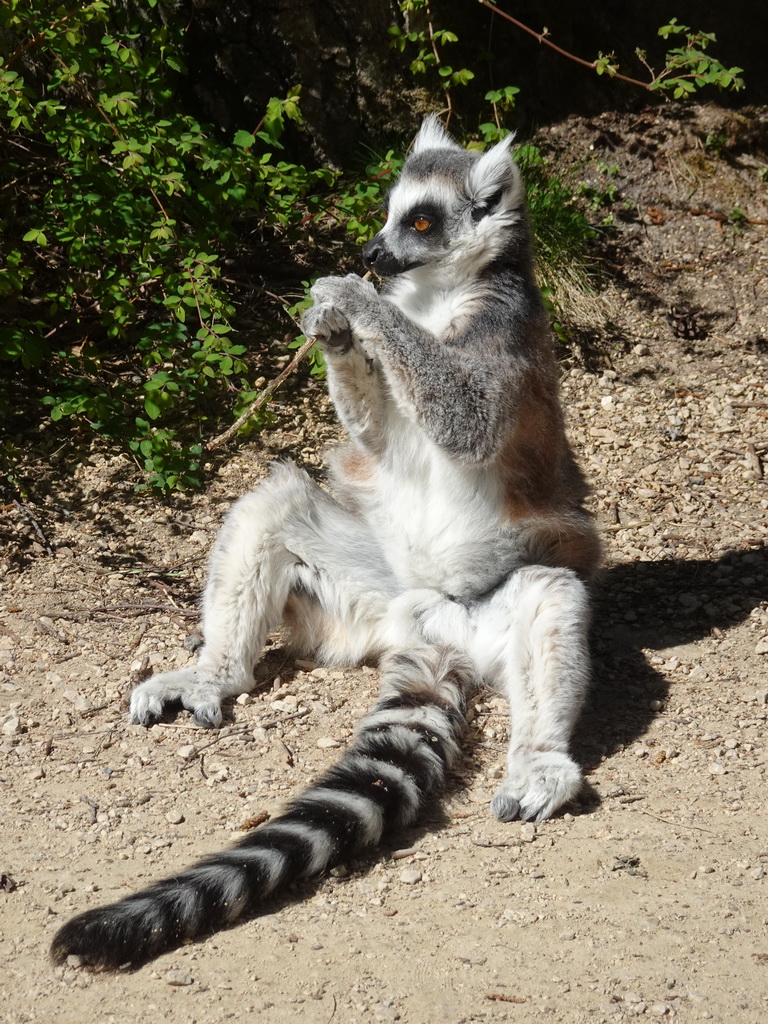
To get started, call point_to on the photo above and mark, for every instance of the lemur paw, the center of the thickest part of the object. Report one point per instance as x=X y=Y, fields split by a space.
x=537 y=784
x=351 y=294
x=328 y=325
x=196 y=689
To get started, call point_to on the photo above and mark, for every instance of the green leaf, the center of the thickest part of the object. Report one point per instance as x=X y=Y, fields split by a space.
x=244 y=139
x=151 y=408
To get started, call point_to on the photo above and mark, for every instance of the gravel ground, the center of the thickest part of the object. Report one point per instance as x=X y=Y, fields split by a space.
x=648 y=897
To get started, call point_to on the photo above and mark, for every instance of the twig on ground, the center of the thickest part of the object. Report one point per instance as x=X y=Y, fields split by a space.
x=614 y=527
x=109 y=609
x=35 y=525
x=55 y=633
x=678 y=824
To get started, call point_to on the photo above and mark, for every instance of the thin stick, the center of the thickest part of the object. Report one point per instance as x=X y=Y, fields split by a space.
x=678 y=824
x=541 y=38
x=35 y=525
x=273 y=385
x=615 y=527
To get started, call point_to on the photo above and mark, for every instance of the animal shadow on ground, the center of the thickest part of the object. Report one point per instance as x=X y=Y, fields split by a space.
x=656 y=605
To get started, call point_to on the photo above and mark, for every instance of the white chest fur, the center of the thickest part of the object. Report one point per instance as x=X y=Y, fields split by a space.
x=439 y=521
x=437 y=304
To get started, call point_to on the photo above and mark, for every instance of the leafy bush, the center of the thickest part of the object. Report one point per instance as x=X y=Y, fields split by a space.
x=115 y=211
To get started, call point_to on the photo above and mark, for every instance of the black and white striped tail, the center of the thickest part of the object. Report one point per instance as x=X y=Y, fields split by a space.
x=397 y=761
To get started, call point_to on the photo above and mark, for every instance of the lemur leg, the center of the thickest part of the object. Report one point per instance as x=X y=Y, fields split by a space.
x=529 y=640
x=287 y=537
x=531 y=643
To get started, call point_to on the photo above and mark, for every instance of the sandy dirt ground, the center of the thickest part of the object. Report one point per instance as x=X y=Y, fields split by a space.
x=646 y=898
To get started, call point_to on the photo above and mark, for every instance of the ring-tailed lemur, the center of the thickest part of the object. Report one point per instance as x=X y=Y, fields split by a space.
x=454 y=548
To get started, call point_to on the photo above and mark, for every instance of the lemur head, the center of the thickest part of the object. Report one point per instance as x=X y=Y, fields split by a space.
x=450 y=206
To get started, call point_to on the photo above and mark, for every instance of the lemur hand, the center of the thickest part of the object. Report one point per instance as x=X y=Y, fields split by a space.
x=351 y=295
x=329 y=326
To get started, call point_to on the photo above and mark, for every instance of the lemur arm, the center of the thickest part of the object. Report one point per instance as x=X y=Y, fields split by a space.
x=358 y=393
x=460 y=399
x=354 y=378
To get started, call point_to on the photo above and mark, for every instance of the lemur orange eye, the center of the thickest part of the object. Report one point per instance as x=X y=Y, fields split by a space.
x=421 y=223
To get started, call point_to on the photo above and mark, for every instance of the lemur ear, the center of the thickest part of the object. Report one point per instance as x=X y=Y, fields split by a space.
x=432 y=135
x=493 y=177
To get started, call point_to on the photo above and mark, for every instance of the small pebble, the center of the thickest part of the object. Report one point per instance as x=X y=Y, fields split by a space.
x=327 y=742
x=187 y=752
x=244 y=700
x=140 y=669
x=527 y=832
x=178 y=979
x=11 y=726
x=174 y=818
x=410 y=876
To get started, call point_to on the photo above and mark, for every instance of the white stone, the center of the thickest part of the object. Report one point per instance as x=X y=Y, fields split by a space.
x=11 y=726
x=178 y=979
x=410 y=876
x=528 y=832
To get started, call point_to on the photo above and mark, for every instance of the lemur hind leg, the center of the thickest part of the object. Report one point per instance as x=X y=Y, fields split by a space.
x=531 y=643
x=529 y=640
x=288 y=542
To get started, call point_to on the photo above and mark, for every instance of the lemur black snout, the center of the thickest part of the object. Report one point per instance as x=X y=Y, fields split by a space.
x=371 y=252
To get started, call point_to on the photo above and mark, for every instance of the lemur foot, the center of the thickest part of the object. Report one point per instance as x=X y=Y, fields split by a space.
x=196 y=689
x=536 y=785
